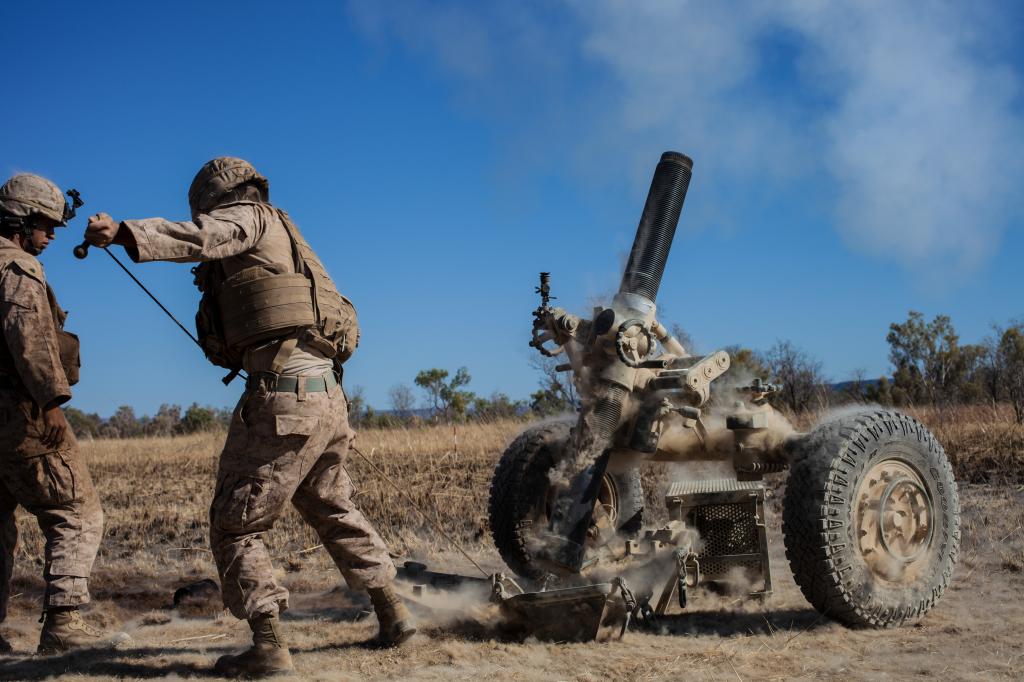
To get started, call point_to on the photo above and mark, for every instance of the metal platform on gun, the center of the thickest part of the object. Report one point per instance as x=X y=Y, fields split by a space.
x=729 y=517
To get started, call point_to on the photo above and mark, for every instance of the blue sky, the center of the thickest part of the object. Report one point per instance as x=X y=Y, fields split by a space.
x=852 y=162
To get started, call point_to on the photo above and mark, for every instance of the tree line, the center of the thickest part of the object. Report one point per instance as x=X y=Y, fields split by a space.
x=930 y=366
x=169 y=420
x=444 y=398
x=933 y=367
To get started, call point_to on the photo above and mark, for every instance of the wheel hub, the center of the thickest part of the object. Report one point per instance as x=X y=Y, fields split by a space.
x=894 y=515
x=606 y=511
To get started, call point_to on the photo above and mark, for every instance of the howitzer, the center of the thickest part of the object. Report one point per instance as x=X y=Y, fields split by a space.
x=871 y=514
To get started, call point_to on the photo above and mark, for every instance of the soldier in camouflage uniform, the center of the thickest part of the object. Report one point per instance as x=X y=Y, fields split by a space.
x=43 y=469
x=270 y=308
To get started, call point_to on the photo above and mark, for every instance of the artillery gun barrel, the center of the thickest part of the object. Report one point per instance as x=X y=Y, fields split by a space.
x=647 y=259
x=657 y=226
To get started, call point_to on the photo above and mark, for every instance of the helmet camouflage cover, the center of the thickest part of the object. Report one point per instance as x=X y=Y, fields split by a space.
x=26 y=194
x=219 y=176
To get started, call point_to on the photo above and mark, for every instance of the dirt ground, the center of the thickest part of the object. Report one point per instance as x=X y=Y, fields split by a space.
x=973 y=633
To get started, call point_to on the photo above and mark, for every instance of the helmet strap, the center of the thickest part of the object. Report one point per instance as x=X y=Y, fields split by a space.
x=27 y=245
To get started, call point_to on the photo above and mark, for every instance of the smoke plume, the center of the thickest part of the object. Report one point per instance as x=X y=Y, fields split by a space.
x=903 y=118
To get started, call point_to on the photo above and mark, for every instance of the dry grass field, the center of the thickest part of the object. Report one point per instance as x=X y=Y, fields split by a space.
x=156 y=493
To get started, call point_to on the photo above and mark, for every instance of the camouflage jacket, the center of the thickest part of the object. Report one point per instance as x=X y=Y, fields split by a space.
x=34 y=342
x=229 y=234
x=245 y=235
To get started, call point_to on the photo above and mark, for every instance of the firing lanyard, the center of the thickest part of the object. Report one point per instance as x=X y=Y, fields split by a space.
x=414 y=505
x=155 y=299
x=164 y=308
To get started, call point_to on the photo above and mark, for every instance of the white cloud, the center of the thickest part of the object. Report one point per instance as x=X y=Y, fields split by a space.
x=924 y=141
x=906 y=107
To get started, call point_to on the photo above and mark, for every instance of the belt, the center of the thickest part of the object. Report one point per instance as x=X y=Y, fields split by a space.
x=290 y=383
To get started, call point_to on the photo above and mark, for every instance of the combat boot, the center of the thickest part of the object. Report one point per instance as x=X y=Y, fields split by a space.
x=396 y=623
x=64 y=629
x=267 y=656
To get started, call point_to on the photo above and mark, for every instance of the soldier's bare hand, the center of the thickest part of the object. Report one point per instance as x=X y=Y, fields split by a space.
x=55 y=427
x=101 y=230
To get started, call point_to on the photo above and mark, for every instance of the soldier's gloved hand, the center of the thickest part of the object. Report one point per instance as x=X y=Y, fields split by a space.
x=55 y=426
x=102 y=230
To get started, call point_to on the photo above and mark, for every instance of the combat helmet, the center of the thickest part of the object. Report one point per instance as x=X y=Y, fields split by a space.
x=220 y=176
x=26 y=194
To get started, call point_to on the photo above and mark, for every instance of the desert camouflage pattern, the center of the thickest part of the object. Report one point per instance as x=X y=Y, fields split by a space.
x=244 y=235
x=239 y=235
x=25 y=194
x=280 y=447
x=53 y=484
x=218 y=177
x=285 y=447
x=30 y=352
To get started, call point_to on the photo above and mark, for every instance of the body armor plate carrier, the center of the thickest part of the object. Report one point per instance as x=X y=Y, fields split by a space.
x=261 y=303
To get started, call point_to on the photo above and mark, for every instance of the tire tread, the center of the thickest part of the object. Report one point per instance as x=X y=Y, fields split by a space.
x=810 y=511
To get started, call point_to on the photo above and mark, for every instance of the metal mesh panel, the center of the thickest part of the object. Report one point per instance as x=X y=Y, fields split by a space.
x=728 y=515
x=713 y=485
x=712 y=567
x=727 y=529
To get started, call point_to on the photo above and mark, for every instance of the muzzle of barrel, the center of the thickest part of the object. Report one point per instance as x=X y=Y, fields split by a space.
x=657 y=226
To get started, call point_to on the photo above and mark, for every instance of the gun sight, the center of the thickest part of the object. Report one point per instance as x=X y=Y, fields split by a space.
x=545 y=290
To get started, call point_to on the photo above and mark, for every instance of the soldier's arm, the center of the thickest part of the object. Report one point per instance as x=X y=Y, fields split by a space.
x=219 y=234
x=31 y=337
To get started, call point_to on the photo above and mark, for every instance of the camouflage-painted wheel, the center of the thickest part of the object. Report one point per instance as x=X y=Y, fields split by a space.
x=521 y=496
x=871 y=519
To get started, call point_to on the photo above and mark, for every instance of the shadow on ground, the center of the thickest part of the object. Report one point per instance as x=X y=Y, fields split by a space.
x=785 y=622
x=725 y=623
x=158 y=662
x=142 y=662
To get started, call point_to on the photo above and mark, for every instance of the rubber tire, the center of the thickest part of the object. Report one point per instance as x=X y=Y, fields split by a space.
x=520 y=486
x=818 y=526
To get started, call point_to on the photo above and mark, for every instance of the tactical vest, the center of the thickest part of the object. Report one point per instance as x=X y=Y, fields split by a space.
x=264 y=302
x=67 y=343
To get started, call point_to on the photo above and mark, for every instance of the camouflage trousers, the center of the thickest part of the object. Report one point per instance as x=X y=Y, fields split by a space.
x=53 y=485
x=285 y=447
